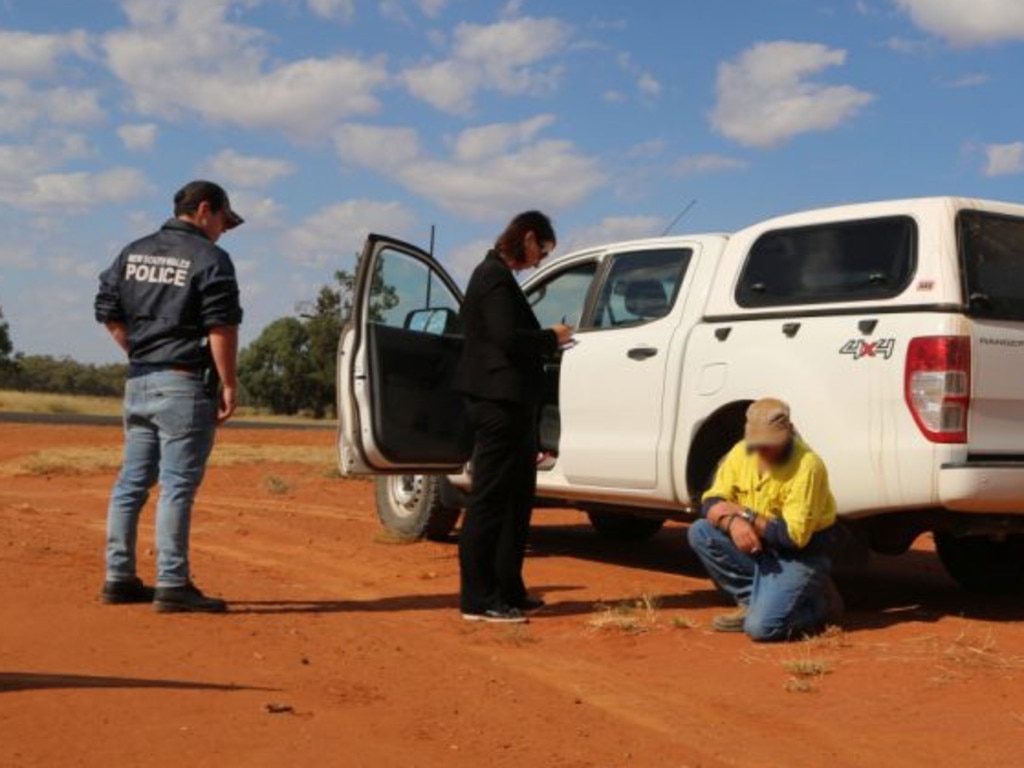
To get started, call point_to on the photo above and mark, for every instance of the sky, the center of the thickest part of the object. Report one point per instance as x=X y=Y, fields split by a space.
x=329 y=119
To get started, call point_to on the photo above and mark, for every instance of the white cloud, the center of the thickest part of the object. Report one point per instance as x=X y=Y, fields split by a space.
x=382 y=147
x=477 y=144
x=967 y=23
x=25 y=54
x=184 y=57
x=431 y=8
x=906 y=46
x=507 y=56
x=22 y=106
x=396 y=10
x=340 y=10
x=460 y=261
x=492 y=170
x=649 y=86
x=81 y=190
x=21 y=162
x=261 y=212
x=765 y=97
x=692 y=165
x=333 y=234
x=140 y=137
x=247 y=171
x=1004 y=159
x=647 y=150
x=612 y=229
x=969 y=81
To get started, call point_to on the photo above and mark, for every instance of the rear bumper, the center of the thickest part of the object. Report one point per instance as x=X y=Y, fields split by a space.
x=982 y=487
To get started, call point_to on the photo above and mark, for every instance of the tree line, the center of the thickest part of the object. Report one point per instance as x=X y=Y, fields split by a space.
x=289 y=368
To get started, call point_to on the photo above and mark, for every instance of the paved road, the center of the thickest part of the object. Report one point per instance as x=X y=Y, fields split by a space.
x=113 y=421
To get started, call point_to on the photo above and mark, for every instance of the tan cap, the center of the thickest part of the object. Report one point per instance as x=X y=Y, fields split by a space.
x=768 y=424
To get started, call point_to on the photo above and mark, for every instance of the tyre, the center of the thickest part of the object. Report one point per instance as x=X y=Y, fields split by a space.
x=624 y=526
x=979 y=564
x=410 y=507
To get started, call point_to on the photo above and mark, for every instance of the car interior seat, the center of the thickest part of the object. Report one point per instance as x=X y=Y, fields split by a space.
x=646 y=299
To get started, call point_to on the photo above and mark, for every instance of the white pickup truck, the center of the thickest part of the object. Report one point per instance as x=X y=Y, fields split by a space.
x=894 y=329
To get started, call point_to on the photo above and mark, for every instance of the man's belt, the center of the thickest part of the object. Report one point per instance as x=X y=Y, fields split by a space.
x=144 y=369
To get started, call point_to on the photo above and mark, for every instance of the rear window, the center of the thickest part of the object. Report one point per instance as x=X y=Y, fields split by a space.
x=843 y=261
x=992 y=254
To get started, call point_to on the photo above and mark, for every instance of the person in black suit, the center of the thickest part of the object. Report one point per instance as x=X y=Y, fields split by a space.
x=501 y=374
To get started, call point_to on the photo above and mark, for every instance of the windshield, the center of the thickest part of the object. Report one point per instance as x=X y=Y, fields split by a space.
x=992 y=253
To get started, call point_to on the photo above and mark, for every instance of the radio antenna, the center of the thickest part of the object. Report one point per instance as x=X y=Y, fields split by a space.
x=679 y=217
x=430 y=274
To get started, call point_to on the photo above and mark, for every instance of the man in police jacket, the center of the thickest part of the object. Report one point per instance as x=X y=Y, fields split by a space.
x=170 y=301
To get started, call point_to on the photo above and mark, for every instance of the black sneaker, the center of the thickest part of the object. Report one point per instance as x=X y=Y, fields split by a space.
x=498 y=616
x=529 y=604
x=129 y=592
x=186 y=599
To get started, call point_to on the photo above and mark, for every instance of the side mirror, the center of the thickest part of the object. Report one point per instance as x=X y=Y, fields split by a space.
x=437 y=322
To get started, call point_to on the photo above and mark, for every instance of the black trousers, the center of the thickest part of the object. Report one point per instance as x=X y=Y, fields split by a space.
x=492 y=542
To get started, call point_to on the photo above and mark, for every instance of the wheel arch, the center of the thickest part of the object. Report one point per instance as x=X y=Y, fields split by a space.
x=716 y=435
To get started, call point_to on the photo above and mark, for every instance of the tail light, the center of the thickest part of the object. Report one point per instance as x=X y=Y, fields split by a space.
x=938 y=386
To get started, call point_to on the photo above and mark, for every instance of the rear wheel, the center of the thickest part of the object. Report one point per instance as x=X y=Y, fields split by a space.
x=625 y=527
x=985 y=565
x=410 y=507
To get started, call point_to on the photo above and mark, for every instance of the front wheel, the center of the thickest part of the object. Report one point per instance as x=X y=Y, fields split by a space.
x=984 y=565
x=410 y=507
x=624 y=526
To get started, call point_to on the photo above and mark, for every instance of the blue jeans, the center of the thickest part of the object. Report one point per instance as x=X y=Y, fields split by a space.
x=170 y=423
x=784 y=592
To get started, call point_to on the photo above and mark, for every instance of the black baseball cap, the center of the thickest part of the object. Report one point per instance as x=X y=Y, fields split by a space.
x=188 y=199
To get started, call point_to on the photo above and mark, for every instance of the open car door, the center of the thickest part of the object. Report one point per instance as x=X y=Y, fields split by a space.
x=397 y=409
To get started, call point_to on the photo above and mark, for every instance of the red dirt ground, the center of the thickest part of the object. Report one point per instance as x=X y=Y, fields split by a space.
x=360 y=642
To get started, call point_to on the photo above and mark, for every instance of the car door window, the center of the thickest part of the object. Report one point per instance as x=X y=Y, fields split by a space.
x=406 y=293
x=562 y=297
x=640 y=287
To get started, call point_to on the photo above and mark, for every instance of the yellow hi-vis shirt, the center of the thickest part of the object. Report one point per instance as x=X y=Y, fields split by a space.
x=796 y=492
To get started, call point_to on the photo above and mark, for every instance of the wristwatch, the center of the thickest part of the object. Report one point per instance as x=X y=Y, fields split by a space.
x=750 y=516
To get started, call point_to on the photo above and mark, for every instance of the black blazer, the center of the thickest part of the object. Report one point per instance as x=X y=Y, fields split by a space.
x=505 y=348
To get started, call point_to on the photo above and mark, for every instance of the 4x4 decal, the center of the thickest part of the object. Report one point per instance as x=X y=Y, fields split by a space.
x=860 y=348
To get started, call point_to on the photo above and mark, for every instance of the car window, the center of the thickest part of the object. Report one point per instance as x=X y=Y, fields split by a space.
x=407 y=293
x=640 y=287
x=992 y=252
x=843 y=261
x=561 y=298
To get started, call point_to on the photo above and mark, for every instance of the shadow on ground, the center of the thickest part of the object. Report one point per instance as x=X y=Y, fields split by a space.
x=889 y=590
x=33 y=681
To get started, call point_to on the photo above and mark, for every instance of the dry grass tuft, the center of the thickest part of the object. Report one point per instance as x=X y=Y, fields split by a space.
x=635 y=616
x=518 y=635
x=684 y=622
x=798 y=685
x=975 y=652
x=833 y=639
x=805 y=669
x=277 y=486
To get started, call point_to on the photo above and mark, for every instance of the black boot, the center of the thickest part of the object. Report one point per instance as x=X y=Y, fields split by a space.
x=128 y=592
x=186 y=599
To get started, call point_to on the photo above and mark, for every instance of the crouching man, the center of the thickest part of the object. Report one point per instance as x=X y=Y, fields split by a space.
x=768 y=525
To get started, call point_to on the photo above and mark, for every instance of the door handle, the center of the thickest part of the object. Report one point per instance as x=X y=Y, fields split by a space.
x=641 y=353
